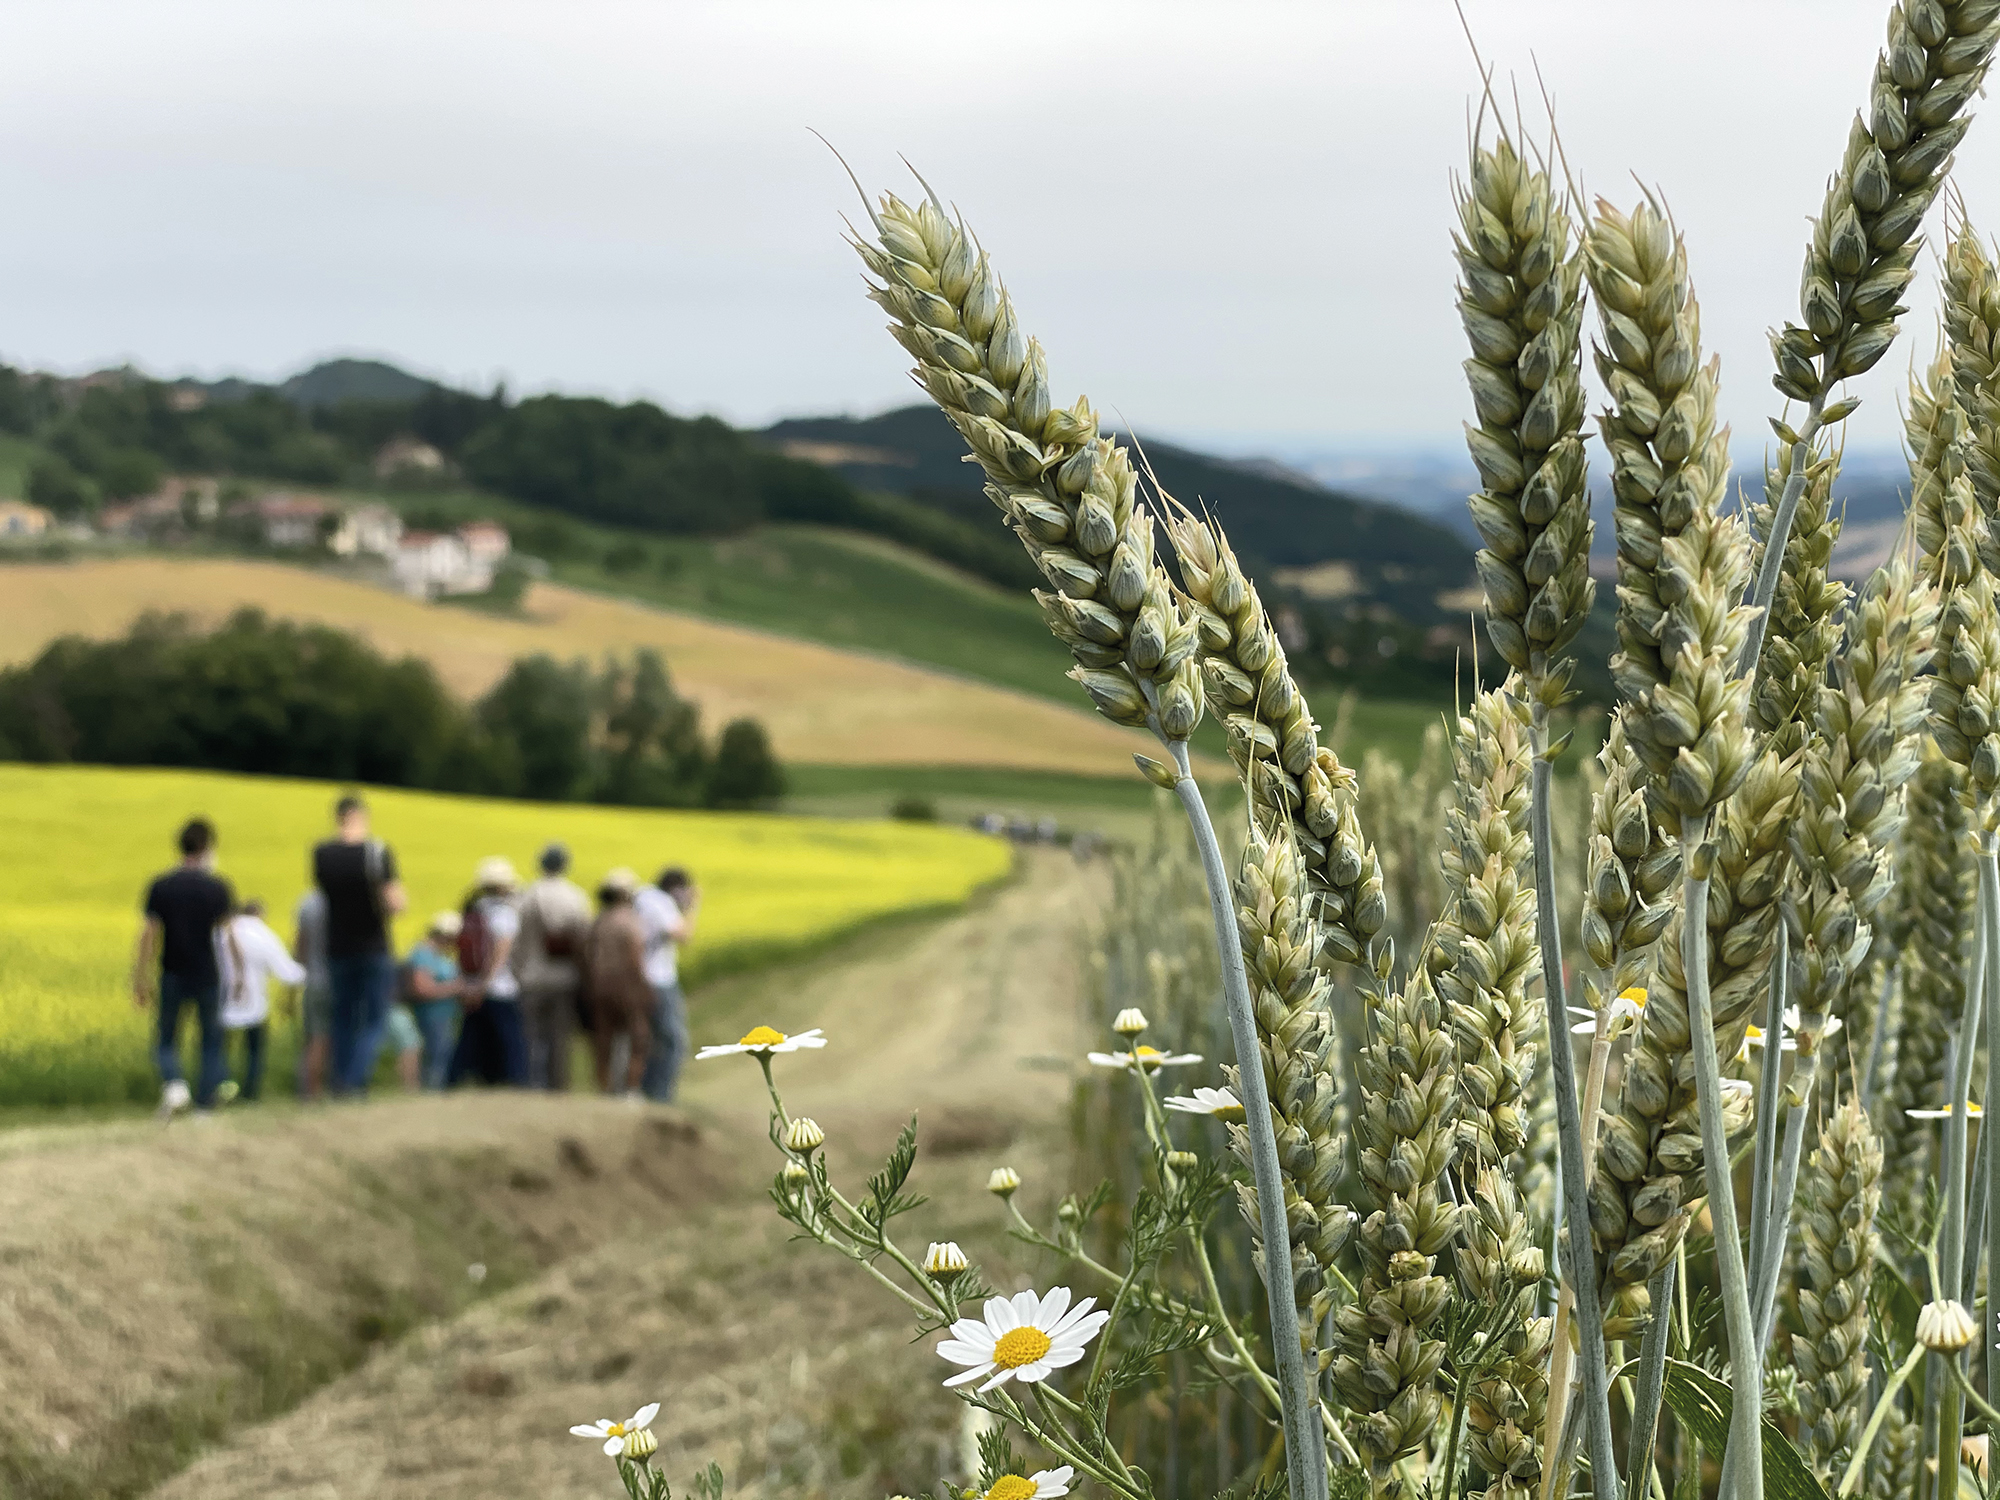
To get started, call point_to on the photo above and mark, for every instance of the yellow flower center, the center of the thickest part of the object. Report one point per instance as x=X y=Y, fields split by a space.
x=616 y=1429
x=1020 y=1346
x=1636 y=995
x=761 y=1036
x=1011 y=1487
x=1230 y=1112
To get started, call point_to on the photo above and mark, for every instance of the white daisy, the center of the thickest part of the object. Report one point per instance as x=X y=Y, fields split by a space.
x=1044 y=1484
x=613 y=1433
x=764 y=1040
x=1755 y=1036
x=1630 y=1006
x=1150 y=1058
x=1222 y=1103
x=1740 y=1088
x=1023 y=1337
x=1972 y=1112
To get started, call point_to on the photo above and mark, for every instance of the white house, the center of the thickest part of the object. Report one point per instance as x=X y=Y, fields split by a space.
x=19 y=519
x=429 y=563
x=290 y=520
x=370 y=530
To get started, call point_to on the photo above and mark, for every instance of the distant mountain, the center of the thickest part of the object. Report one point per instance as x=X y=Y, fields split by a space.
x=336 y=380
x=1292 y=530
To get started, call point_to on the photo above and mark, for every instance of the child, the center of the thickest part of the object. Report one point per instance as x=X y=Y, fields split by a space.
x=250 y=955
x=431 y=983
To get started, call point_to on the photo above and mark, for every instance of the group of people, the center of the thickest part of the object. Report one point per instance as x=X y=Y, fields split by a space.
x=494 y=992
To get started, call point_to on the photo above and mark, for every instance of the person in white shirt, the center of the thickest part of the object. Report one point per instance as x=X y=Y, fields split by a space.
x=250 y=956
x=555 y=919
x=667 y=911
x=491 y=1045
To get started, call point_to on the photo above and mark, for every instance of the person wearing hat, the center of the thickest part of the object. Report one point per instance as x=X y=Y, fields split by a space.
x=491 y=1046
x=555 y=920
x=621 y=999
x=432 y=984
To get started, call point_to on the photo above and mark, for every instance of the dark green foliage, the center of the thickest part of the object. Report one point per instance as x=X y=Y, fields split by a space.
x=54 y=485
x=279 y=698
x=746 y=773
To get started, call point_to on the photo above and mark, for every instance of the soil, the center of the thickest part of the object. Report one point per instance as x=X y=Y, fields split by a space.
x=654 y=1271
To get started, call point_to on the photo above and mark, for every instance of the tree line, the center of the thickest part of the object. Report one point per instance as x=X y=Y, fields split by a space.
x=631 y=465
x=282 y=698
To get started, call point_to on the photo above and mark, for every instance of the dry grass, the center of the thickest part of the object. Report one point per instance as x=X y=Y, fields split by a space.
x=820 y=705
x=776 y=1360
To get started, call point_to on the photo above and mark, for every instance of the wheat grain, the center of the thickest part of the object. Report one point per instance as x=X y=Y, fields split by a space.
x=1634 y=870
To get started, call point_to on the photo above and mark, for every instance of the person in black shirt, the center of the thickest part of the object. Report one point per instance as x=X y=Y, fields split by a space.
x=358 y=877
x=183 y=908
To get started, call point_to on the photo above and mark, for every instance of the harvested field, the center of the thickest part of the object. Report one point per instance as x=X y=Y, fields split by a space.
x=821 y=705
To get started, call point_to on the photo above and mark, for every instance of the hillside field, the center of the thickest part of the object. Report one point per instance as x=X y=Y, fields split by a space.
x=822 y=706
x=79 y=844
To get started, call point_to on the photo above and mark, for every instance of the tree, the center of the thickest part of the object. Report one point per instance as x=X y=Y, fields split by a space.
x=540 y=715
x=128 y=473
x=746 y=773
x=653 y=754
x=56 y=486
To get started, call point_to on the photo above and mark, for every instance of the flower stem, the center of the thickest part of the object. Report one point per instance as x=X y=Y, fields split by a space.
x=1951 y=1241
x=1305 y=1450
x=1743 y=1461
x=1579 y=1258
x=1858 y=1464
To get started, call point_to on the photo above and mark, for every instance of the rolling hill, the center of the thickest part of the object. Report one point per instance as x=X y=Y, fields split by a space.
x=1278 y=520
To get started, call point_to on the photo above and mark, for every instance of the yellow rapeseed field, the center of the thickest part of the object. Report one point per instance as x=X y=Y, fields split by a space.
x=78 y=845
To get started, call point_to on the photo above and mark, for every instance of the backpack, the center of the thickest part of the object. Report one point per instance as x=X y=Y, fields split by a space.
x=475 y=941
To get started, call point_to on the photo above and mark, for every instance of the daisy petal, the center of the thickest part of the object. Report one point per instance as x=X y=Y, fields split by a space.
x=965 y=1377
x=960 y=1352
x=613 y=1447
x=586 y=1432
x=1000 y=1315
x=971 y=1329
x=1077 y=1314
x=1053 y=1307
x=1026 y=1304
x=1063 y=1355
x=644 y=1416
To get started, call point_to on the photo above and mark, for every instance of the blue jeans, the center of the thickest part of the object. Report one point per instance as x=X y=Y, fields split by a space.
x=437 y=1020
x=670 y=1044
x=253 y=1060
x=362 y=985
x=492 y=1045
x=206 y=999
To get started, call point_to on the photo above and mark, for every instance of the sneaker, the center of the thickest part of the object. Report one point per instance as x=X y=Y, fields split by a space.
x=174 y=1098
x=225 y=1092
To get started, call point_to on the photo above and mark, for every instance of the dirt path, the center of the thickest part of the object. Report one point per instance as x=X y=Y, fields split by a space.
x=778 y=1361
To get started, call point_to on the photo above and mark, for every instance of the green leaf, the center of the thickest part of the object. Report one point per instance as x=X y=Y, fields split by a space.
x=1704 y=1405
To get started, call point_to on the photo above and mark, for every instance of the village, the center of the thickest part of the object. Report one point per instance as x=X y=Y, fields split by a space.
x=367 y=535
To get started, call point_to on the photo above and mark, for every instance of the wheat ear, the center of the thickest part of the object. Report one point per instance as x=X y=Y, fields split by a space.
x=1830 y=1350
x=1484 y=960
x=1865 y=749
x=1864 y=241
x=1520 y=300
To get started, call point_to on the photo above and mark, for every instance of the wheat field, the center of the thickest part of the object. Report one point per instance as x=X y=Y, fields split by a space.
x=80 y=844
x=821 y=705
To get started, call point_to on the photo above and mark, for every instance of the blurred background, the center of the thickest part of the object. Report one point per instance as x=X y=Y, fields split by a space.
x=478 y=403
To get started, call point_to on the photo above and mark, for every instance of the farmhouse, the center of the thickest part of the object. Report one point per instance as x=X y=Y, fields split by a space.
x=430 y=563
x=366 y=530
x=19 y=519
x=288 y=520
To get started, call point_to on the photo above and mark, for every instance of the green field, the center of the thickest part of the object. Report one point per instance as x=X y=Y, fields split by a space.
x=78 y=845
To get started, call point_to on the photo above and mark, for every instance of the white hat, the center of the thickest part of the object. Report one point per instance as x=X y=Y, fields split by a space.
x=447 y=924
x=496 y=872
x=620 y=880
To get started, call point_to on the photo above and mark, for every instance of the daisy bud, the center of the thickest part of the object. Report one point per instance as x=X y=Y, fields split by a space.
x=1131 y=1021
x=1945 y=1327
x=641 y=1445
x=1003 y=1182
x=804 y=1136
x=945 y=1259
x=795 y=1175
x=1180 y=1161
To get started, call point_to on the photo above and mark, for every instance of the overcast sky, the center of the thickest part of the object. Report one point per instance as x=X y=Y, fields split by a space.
x=1227 y=222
